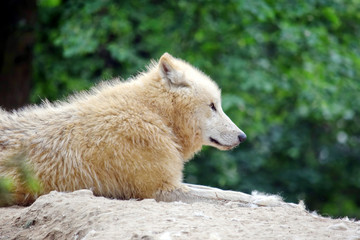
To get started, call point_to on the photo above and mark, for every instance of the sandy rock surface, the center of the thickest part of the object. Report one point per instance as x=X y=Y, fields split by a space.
x=80 y=215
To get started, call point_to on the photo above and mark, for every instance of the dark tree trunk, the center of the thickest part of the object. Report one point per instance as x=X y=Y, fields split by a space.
x=17 y=25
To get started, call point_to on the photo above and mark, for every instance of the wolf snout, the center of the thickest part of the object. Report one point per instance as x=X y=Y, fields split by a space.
x=242 y=137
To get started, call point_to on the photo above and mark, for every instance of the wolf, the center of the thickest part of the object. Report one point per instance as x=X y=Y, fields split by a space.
x=124 y=139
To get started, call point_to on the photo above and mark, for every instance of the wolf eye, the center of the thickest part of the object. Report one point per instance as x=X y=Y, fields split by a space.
x=212 y=105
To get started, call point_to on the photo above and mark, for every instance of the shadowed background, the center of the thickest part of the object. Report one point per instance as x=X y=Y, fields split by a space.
x=289 y=73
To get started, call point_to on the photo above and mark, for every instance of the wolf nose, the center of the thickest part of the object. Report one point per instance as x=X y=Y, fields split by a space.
x=242 y=137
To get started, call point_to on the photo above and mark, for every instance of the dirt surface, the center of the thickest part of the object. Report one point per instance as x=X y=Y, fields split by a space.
x=80 y=215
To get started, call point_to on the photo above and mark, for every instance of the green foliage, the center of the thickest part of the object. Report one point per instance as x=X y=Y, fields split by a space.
x=25 y=179
x=289 y=71
x=6 y=185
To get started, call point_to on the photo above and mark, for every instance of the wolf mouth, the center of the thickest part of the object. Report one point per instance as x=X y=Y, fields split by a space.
x=218 y=143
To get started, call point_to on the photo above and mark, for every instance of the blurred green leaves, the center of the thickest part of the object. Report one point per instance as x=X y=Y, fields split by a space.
x=24 y=179
x=289 y=73
x=48 y=3
x=6 y=186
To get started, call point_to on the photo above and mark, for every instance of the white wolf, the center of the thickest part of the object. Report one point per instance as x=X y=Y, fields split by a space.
x=125 y=139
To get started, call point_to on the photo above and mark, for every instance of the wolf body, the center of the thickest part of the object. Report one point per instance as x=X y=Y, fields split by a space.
x=123 y=139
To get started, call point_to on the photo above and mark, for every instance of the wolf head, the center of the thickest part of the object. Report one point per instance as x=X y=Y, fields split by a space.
x=204 y=97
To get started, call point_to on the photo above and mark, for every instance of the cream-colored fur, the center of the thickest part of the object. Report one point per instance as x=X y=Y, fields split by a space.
x=123 y=139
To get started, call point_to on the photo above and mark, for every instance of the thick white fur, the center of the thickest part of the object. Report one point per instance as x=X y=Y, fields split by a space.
x=122 y=139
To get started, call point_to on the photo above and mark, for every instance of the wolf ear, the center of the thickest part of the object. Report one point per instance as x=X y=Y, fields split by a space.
x=170 y=73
